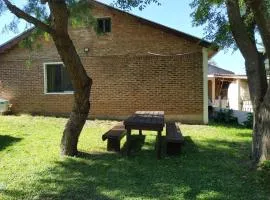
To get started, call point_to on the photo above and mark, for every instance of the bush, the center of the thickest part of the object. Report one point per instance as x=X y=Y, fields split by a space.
x=249 y=122
x=266 y=165
x=225 y=116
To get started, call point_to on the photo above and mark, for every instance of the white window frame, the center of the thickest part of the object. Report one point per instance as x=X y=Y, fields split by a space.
x=45 y=79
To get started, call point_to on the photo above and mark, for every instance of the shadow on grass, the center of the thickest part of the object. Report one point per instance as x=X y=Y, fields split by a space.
x=223 y=125
x=137 y=142
x=200 y=172
x=6 y=140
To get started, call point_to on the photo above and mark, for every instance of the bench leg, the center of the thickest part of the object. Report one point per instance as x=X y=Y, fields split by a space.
x=173 y=148
x=128 y=141
x=159 y=145
x=140 y=132
x=113 y=145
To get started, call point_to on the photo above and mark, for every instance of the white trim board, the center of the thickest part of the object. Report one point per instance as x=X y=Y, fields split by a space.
x=205 y=85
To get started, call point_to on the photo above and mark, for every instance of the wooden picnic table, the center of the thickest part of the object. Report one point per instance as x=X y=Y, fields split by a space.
x=145 y=120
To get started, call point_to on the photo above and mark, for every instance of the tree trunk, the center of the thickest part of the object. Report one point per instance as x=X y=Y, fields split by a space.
x=261 y=139
x=261 y=10
x=261 y=134
x=257 y=82
x=82 y=87
x=80 y=81
x=58 y=29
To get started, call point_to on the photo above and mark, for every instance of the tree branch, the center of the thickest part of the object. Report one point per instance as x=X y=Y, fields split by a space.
x=254 y=65
x=245 y=43
x=21 y=14
x=261 y=12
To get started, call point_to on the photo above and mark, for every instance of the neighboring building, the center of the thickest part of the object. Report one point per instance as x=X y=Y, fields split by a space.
x=228 y=90
x=135 y=64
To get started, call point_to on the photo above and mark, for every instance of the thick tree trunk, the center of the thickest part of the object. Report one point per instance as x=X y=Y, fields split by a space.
x=80 y=81
x=75 y=123
x=58 y=29
x=261 y=139
x=261 y=134
x=257 y=82
x=260 y=113
x=82 y=86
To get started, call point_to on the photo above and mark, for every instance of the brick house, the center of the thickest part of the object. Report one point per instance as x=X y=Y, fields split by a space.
x=135 y=64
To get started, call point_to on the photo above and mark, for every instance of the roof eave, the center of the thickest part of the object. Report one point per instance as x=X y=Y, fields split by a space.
x=212 y=50
x=192 y=38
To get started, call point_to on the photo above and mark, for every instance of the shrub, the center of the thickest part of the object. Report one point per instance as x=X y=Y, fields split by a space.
x=225 y=116
x=249 y=122
x=266 y=165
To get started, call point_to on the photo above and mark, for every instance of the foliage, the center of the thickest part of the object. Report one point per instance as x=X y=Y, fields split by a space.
x=212 y=15
x=213 y=164
x=225 y=116
x=129 y=4
x=79 y=16
x=266 y=165
x=249 y=122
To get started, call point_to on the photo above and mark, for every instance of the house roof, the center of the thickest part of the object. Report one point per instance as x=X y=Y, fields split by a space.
x=14 y=41
x=192 y=38
x=217 y=72
x=228 y=76
x=214 y=70
x=11 y=43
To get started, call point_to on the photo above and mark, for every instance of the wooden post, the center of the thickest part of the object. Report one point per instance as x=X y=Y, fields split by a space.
x=159 y=145
x=128 y=141
x=213 y=90
x=219 y=102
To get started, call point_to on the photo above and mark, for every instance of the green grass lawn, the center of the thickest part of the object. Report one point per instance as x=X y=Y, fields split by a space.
x=214 y=164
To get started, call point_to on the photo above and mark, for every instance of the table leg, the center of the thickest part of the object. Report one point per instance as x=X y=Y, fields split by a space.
x=140 y=132
x=128 y=141
x=159 y=145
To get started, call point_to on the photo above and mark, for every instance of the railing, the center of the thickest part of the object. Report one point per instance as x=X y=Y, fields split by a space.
x=247 y=106
x=221 y=103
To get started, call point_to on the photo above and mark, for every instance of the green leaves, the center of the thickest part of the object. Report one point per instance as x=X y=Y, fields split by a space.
x=36 y=9
x=80 y=14
x=212 y=14
x=129 y=4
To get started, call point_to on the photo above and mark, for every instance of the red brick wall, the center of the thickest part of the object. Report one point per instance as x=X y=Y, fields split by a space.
x=125 y=77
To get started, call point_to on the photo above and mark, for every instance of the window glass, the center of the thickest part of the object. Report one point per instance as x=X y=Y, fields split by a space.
x=57 y=78
x=104 y=25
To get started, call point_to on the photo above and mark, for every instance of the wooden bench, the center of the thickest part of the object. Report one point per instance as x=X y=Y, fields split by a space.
x=174 y=139
x=114 y=137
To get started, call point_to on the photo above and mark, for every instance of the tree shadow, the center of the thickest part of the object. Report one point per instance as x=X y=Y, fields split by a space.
x=137 y=142
x=201 y=171
x=6 y=140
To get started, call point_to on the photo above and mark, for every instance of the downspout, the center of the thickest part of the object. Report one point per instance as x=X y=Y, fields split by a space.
x=205 y=85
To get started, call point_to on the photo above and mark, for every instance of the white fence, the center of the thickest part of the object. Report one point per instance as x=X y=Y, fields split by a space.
x=247 y=106
x=221 y=103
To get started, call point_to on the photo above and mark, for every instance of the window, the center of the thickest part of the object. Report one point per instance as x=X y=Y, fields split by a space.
x=57 y=79
x=104 y=25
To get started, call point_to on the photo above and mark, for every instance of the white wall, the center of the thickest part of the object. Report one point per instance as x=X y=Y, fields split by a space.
x=233 y=95
x=244 y=91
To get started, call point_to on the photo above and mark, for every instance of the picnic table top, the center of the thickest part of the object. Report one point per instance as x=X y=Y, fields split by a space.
x=146 y=120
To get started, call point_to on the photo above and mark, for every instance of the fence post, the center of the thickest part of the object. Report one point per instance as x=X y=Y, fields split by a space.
x=219 y=102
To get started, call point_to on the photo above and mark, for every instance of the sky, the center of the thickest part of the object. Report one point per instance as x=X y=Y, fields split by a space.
x=171 y=13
